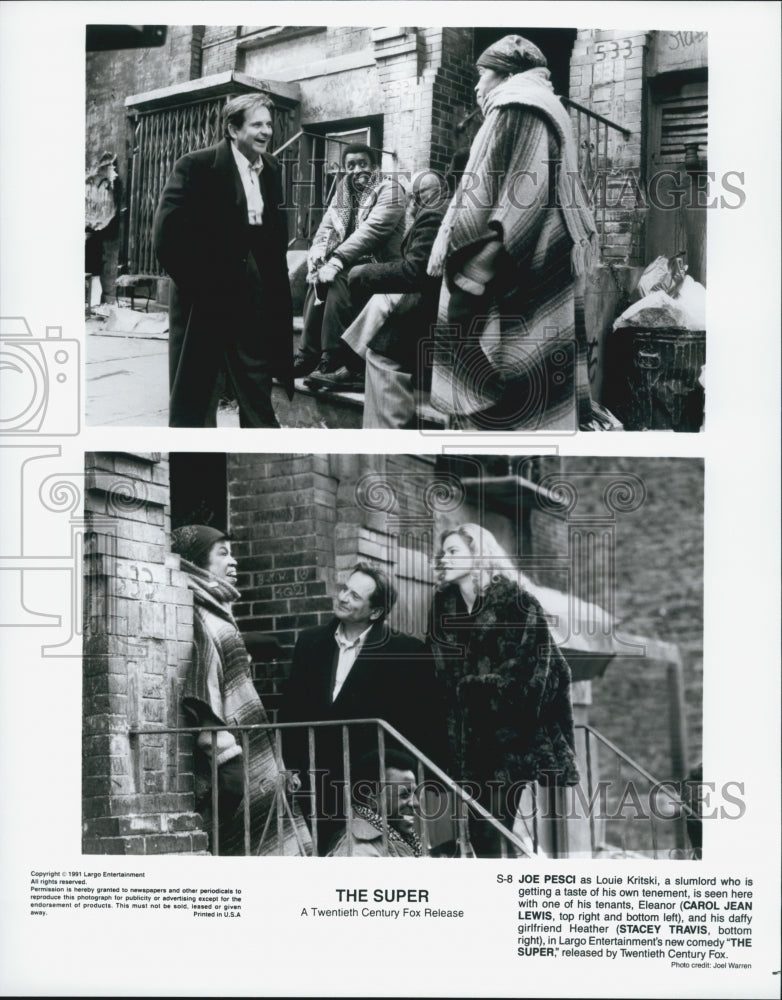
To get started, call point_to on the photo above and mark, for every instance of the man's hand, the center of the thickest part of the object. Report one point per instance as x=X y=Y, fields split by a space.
x=328 y=272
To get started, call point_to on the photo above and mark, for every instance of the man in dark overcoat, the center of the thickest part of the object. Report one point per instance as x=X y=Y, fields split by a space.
x=354 y=667
x=221 y=235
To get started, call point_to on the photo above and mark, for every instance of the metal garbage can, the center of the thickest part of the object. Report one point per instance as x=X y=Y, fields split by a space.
x=652 y=378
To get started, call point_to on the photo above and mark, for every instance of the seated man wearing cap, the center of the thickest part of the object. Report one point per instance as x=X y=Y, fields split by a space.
x=402 y=307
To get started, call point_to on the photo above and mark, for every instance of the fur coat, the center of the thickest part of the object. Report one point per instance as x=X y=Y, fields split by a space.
x=507 y=686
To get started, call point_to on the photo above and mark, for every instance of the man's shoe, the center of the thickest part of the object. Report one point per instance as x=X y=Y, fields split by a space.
x=303 y=364
x=341 y=380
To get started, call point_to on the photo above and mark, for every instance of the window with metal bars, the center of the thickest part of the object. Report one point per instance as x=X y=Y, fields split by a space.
x=160 y=137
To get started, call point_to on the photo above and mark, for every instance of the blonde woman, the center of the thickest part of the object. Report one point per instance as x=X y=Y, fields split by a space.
x=510 y=719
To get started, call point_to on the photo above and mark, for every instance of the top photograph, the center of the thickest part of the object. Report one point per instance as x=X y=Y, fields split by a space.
x=415 y=228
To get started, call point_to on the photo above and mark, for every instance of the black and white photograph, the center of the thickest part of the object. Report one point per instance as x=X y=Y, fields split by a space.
x=475 y=228
x=488 y=708
x=514 y=646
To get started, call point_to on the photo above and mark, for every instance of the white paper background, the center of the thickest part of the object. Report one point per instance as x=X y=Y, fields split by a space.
x=270 y=951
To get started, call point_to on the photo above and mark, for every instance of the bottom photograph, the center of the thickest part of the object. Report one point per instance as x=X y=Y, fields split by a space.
x=445 y=656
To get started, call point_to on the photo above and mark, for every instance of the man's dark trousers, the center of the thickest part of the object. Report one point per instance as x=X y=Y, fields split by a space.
x=240 y=351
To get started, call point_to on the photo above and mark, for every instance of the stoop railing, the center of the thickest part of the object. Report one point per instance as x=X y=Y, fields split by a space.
x=591 y=132
x=432 y=781
x=630 y=812
x=587 y=821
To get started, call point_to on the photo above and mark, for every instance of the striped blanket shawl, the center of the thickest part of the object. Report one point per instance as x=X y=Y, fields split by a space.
x=219 y=691
x=513 y=356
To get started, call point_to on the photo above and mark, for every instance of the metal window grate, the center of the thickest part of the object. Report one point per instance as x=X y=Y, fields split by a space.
x=160 y=137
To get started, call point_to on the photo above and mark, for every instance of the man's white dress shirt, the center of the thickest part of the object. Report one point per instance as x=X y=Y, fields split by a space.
x=348 y=652
x=251 y=182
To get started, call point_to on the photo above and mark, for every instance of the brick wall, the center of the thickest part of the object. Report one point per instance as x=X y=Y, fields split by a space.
x=658 y=592
x=218 y=49
x=137 y=793
x=452 y=93
x=282 y=513
x=607 y=74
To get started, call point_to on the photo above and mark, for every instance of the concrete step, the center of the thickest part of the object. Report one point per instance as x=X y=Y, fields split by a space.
x=322 y=408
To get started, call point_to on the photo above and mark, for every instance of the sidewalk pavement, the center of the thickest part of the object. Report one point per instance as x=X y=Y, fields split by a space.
x=127 y=368
x=127 y=379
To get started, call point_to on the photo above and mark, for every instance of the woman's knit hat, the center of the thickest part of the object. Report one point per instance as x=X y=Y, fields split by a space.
x=193 y=541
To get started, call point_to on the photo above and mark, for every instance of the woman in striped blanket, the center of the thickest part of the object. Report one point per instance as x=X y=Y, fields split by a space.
x=219 y=691
x=510 y=345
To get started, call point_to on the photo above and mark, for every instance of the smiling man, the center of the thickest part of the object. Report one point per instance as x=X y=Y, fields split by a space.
x=395 y=797
x=221 y=235
x=364 y=222
x=355 y=667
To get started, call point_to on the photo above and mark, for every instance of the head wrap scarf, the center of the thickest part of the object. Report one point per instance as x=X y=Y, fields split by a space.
x=527 y=85
x=511 y=54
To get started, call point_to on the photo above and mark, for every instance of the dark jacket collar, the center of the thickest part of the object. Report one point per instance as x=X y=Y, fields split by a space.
x=378 y=634
x=225 y=165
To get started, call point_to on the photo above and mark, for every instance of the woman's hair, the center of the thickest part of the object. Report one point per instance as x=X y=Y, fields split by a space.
x=491 y=561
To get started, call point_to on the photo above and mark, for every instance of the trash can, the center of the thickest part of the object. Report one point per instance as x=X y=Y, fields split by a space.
x=652 y=378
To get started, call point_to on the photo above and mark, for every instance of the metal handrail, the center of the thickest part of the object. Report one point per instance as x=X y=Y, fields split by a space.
x=591 y=131
x=593 y=114
x=328 y=138
x=676 y=799
x=465 y=800
x=683 y=815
